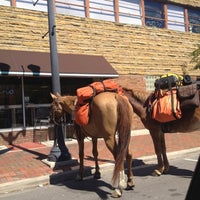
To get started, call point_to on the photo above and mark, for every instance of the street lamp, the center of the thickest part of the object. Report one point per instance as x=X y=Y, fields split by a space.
x=59 y=151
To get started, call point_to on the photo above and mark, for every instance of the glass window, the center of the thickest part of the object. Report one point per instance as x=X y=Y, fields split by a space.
x=154 y=14
x=150 y=81
x=28 y=4
x=10 y=102
x=194 y=20
x=71 y=7
x=10 y=91
x=37 y=90
x=130 y=12
x=102 y=10
x=176 y=19
x=70 y=85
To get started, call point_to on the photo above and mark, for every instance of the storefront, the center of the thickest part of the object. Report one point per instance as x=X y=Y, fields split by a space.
x=25 y=83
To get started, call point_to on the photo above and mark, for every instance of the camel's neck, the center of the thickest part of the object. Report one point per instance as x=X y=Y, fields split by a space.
x=138 y=108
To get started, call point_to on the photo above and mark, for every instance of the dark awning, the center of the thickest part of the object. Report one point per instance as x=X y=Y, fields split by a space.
x=38 y=64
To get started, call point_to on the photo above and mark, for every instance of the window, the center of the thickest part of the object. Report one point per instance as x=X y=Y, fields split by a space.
x=176 y=19
x=28 y=4
x=154 y=14
x=194 y=20
x=71 y=7
x=37 y=98
x=150 y=82
x=39 y=92
x=130 y=12
x=102 y=10
x=10 y=102
x=10 y=91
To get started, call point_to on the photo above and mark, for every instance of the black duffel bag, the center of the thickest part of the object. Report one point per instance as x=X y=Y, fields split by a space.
x=166 y=82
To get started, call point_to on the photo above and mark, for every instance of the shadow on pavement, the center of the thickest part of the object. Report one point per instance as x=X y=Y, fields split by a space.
x=41 y=156
x=91 y=185
x=142 y=169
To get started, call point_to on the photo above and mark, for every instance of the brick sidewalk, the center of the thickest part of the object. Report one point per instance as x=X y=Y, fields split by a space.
x=25 y=161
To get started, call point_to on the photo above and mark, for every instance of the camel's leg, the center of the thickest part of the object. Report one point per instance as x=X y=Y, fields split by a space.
x=164 y=154
x=81 y=158
x=97 y=174
x=130 y=181
x=156 y=137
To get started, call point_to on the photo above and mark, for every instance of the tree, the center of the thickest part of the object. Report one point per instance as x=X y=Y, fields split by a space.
x=196 y=57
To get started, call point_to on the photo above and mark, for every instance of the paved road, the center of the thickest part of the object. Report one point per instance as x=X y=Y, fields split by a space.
x=173 y=185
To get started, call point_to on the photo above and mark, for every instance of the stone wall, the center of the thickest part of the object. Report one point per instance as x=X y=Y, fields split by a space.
x=194 y=3
x=130 y=49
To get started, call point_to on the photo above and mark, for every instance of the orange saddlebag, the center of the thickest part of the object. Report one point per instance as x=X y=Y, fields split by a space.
x=82 y=114
x=166 y=107
x=85 y=95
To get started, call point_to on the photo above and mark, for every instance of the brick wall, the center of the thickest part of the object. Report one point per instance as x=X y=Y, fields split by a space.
x=17 y=137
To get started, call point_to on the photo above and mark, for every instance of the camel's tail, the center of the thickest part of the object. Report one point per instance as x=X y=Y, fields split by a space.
x=124 y=132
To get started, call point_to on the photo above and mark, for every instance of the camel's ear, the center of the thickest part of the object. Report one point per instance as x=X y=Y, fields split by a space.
x=58 y=94
x=53 y=96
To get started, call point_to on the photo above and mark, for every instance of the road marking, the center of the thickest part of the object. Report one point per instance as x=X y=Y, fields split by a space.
x=189 y=159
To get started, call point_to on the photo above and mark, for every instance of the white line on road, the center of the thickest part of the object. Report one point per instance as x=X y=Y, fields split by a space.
x=189 y=159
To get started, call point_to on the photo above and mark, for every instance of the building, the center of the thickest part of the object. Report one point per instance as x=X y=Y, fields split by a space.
x=134 y=41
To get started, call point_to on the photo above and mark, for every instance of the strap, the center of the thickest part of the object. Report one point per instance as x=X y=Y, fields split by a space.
x=104 y=87
x=172 y=97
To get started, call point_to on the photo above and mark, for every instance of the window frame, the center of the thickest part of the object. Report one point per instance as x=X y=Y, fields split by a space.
x=150 y=21
x=196 y=25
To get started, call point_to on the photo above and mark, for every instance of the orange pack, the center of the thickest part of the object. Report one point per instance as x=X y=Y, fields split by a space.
x=85 y=95
x=166 y=107
x=82 y=114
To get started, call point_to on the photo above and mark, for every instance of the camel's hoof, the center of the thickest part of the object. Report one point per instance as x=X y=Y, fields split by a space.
x=166 y=170
x=116 y=193
x=130 y=185
x=97 y=175
x=156 y=173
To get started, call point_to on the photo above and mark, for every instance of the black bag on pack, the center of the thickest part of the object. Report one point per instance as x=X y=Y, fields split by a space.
x=166 y=82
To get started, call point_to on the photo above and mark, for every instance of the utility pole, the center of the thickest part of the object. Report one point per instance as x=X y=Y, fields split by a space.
x=59 y=151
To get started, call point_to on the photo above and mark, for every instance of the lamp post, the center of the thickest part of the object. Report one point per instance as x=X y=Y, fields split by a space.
x=59 y=151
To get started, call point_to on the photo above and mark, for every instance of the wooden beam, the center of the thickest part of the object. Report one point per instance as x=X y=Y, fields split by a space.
x=116 y=10
x=13 y=3
x=87 y=8
x=143 y=12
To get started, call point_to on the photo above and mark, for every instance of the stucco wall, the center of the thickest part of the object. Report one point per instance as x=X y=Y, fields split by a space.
x=130 y=49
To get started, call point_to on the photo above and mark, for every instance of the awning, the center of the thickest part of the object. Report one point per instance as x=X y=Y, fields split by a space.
x=38 y=64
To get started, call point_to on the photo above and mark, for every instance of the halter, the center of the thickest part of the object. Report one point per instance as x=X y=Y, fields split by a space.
x=55 y=109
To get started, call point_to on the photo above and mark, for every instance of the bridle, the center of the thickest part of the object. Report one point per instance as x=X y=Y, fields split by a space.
x=55 y=109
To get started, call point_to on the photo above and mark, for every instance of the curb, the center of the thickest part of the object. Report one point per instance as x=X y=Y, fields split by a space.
x=56 y=178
